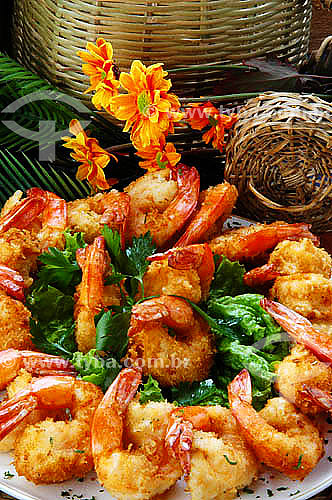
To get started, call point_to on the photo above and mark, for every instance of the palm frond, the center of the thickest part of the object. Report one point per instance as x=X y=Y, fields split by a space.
x=18 y=82
x=18 y=171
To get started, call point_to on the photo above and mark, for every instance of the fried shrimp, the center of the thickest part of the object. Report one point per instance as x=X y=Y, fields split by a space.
x=175 y=343
x=161 y=205
x=308 y=294
x=248 y=242
x=279 y=435
x=208 y=438
x=302 y=368
x=215 y=205
x=91 y=294
x=291 y=257
x=128 y=448
x=89 y=215
x=19 y=251
x=186 y=271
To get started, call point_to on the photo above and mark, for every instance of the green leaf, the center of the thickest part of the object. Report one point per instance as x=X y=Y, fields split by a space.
x=48 y=303
x=60 y=268
x=56 y=337
x=151 y=391
x=95 y=369
x=202 y=393
x=112 y=333
x=228 y=280
x=141 y=248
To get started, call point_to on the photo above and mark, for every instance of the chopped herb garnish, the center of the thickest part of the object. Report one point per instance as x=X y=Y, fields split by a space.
x=295 y=493
x=230 y=461
x=8 y=475
x=65 y=494
x=248 y=490
x=282 y=488
x=299 y=463
x=51 y=440
x=79 y=451
x=329 y=458
x=269 y=493
x=80 y=479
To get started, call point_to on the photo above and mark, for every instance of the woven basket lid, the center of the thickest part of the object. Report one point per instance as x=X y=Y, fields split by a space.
x=322 y=4
x=279 y=156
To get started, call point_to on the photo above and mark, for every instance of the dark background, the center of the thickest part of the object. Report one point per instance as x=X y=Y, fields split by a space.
x=5 y=16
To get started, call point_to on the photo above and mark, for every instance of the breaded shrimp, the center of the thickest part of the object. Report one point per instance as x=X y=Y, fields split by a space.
x=301 y=367
x=280 y=436
x=128 y=448
x=291 y=257
x=12 y=283
x=248 y=242
x=308 y=294
x=89 y=215
x=186 y=271
x=161 y=205
x=91 y=294
x=54 y=451
x=209 y=439
x=14 y=323
x=174 y=343
x=19 y=251
x=215 y=204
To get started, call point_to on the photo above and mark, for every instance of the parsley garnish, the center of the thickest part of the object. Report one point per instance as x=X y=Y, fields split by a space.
x=230 y=461
x=8 y=475
x=299 y=463
x=151 y=392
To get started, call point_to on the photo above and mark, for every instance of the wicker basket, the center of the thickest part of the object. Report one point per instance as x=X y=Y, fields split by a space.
x=279 y=156
x=48 y=33
x=322 y=4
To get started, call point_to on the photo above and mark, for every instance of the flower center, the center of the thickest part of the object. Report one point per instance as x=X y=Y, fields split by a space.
x=143 y=102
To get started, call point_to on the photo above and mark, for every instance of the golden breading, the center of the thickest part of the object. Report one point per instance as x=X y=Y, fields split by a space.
x=302 y=256
x=307 y=294
x=19 y=250
x=14 y=324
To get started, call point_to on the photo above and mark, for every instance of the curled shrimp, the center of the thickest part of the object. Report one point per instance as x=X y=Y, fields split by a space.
x=280 y=436
x=291 y=257
x=160 y=205
x=52 y=451
x=54 y=219
x=89 y=215
x=91 y=294
x=208 y=438
x=248 y=242
x=299 y=374
x=300 y=329
x=216 y=204
x=174 y=343
x=131 y=459
x=19 y=213
x=186 y=271
x=14 y=324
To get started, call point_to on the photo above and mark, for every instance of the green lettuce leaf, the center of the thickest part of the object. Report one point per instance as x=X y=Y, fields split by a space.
x=151 y=391
x=228 y=279
x=112 y=332
x=202 y=393
x=95 y=369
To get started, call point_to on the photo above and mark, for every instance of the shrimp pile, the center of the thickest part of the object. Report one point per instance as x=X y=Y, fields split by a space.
x=45 y=450
x=141 y=450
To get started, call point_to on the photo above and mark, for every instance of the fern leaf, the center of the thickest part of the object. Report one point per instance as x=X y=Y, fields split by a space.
x=18 y=171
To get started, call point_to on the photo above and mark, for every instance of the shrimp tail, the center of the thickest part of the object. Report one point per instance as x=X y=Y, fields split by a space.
x=23 y=214
x=260 y=275
x=319 y=397
x=12 y=283
x=14 y=411
x=125 y=387
x=300 y=329
x=179 y=439
x=241 y=386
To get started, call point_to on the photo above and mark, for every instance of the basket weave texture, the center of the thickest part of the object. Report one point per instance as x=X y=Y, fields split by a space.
x=279 y=156
x=322 y=4
x=48 y=33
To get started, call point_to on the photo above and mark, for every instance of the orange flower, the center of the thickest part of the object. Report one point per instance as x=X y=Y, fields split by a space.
x=159 y=156
x=92 y=157
x=148 y=109
x=216 y=134
x=103 y=73
x=198 y=115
